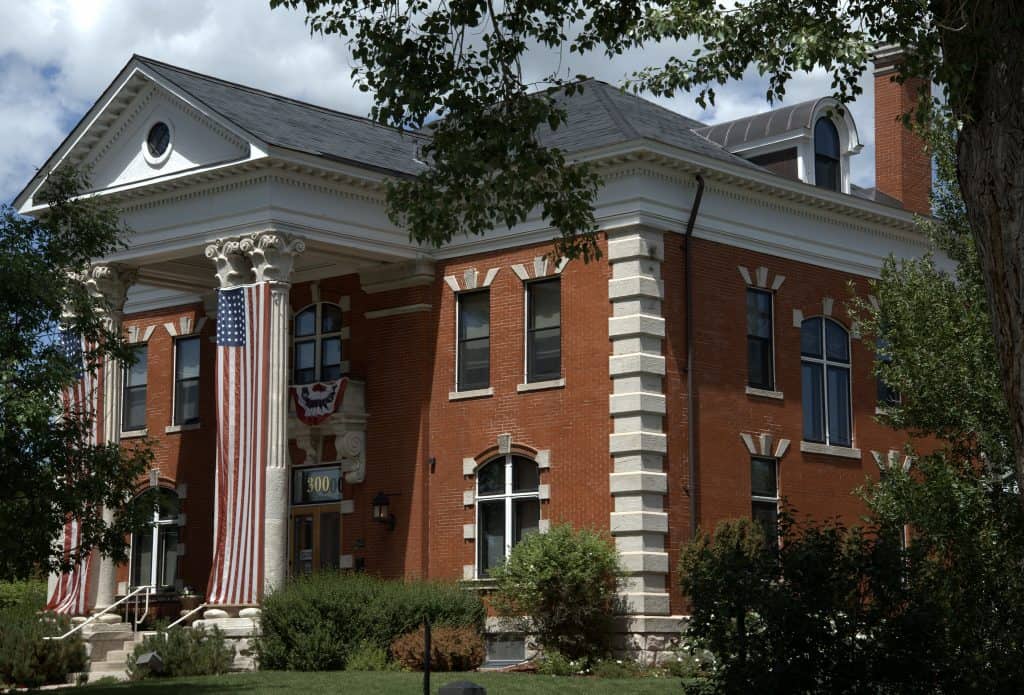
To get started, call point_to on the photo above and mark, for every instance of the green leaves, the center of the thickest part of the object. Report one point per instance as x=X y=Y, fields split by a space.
x=562 y=585
x=48 y=468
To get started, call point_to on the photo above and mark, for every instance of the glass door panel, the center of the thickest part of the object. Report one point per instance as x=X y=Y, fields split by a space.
x=302 y=544
x=330 y=539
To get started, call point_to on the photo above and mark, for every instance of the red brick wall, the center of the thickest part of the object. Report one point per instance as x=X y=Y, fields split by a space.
x=185 y=457
x=408 y=360
x=903 y=168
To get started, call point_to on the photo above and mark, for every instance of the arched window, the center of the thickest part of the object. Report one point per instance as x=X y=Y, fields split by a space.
x=316 y=334
x=508 y=508
x=827 y=173
x=825 y=370
x=155 y=548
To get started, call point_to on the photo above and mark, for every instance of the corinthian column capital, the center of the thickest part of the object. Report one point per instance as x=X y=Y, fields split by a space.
x=109 y=284
x=272 y=255
x=230 y=259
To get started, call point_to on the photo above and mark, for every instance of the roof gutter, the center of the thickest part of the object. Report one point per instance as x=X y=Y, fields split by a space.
x=691 y=383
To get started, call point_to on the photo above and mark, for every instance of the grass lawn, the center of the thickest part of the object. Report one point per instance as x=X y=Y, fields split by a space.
x=400 y=683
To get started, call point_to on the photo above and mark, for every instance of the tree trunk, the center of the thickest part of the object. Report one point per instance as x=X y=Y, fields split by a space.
x=990 y=169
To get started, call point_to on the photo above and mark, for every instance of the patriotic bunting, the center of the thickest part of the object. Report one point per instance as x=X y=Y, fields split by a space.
x=243 y=369
x=314 y=403
x=70 y=595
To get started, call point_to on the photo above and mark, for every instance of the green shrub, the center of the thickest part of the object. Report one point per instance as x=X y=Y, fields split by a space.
x=562 y=588
x=315 y=623
x=26 y=659
x=556 y=664
x=451 y=649
x=30 y=593
x=370 y=657
x=185 y=652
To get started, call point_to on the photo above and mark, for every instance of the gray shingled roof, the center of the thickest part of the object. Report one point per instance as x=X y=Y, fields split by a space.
x=296 y=125
x=732 y=134
x=603 y=115
x=599 y=115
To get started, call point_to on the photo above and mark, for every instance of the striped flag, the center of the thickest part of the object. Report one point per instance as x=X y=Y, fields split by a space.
x=70 y=595
x=243 y=368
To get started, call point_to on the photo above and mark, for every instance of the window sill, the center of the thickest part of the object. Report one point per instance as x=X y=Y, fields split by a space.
x=480 y=584
x=764 y=393
x=475 y=393
x=134 y=434
x=174 y=429
x=541 y=385
x=826 y=450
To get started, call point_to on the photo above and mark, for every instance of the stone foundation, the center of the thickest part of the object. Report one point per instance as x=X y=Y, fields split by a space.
x=239 y=625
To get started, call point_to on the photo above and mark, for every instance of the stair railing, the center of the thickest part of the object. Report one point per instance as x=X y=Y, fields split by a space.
x=135 y=592
x=186 y=616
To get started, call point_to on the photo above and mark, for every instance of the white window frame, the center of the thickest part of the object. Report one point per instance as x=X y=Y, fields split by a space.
x=825 y=364
x=508 y=497
x=174 y=378
x=156 y=524
x=317 y=337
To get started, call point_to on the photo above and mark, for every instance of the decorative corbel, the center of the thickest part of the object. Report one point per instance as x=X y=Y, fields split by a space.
x=351 y=449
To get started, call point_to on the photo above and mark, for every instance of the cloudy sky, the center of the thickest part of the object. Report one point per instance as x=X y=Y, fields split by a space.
x=57 y=56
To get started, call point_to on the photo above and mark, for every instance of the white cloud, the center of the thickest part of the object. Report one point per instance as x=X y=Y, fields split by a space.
x=57 y=56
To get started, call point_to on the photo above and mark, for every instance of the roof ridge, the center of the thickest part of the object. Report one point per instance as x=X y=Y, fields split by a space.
x=270 y=95
x=625 y=126
x=655 y=104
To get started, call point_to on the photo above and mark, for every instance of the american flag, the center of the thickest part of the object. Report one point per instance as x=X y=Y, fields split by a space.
x=243 y=357
x=70 y=595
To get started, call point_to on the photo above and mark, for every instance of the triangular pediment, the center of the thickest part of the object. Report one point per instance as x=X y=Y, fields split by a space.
x=193 y=140
x=111 y=141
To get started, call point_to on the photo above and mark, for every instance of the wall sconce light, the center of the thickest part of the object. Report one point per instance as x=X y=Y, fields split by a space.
x=382 y=511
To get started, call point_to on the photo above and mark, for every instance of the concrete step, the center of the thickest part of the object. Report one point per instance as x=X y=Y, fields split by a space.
x=108 y=667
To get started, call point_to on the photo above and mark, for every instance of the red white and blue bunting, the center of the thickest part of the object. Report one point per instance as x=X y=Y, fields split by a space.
x=316 y=402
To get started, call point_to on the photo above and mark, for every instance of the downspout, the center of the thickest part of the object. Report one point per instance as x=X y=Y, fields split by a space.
x=691 y=385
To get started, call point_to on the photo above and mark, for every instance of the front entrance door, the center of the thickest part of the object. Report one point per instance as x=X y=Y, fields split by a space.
x=316 y=519
x=316 y=539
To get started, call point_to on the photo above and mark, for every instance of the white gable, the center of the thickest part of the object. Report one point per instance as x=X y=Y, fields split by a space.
x=122 y=157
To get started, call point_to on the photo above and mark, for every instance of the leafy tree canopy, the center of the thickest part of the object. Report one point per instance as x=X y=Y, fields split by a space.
x=460 y=65
x=49 y=469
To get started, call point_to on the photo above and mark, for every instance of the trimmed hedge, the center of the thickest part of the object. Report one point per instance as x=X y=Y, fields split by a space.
x=26 y=659
x=451 y=649
x=30 y=593
x=314 y=623
x=185 y=651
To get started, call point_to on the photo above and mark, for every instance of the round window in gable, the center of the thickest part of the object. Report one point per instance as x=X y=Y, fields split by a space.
x=158 y=140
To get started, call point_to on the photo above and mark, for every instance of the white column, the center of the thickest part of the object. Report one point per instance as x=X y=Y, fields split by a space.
x=109 y=284
x=273 y=257
x=638 y=482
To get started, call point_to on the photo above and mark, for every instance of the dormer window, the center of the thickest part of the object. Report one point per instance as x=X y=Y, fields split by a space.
x=827 y=171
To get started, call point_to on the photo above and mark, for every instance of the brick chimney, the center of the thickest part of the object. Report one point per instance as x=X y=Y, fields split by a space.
x=903 y=167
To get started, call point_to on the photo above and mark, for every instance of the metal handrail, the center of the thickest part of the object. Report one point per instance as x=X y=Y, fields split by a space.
x=76 y=628
x=185 y=617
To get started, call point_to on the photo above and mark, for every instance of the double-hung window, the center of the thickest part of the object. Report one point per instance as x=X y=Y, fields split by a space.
x=760 y=358
x=508 y=508
x=886 y=394
x=764 y=495
x=543 y=330
x=135 y=380
x=316 y=350
x=473 y=369
x=186 y=380
x=825 y=372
